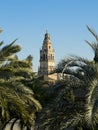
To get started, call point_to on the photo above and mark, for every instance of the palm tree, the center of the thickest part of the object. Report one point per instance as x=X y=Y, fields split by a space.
x=82 y=112
x=87 y=72
x=16 y=99
x=19 y=103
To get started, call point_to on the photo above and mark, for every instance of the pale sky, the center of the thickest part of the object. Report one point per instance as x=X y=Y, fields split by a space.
x=65 y=21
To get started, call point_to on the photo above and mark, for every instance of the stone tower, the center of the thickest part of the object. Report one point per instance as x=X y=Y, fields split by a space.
x=47 y=62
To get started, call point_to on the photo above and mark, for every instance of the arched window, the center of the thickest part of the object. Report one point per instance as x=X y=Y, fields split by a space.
x=51 y=56
x=43 y=56
x=46 y=57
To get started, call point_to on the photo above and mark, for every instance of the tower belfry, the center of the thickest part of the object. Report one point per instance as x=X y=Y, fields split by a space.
x=47 y=62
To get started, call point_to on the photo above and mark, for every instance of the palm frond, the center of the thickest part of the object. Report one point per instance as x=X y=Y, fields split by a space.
x=8 y=51
x=93 y=45
x=74 y=121
x=1 y=43
x=93 y=32
x=1 y=30
x=91 y=104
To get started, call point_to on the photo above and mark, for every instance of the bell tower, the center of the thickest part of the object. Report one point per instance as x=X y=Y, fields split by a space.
x=47 y=62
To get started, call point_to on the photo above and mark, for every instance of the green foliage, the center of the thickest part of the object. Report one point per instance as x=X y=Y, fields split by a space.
x=17 y=101
x=75 y=105
x=40 y=89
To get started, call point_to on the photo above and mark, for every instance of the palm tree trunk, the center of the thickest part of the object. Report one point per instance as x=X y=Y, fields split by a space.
x=4 y=125
x=13 y=124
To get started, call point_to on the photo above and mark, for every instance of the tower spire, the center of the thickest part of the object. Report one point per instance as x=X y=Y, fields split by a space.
x=47 y=36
